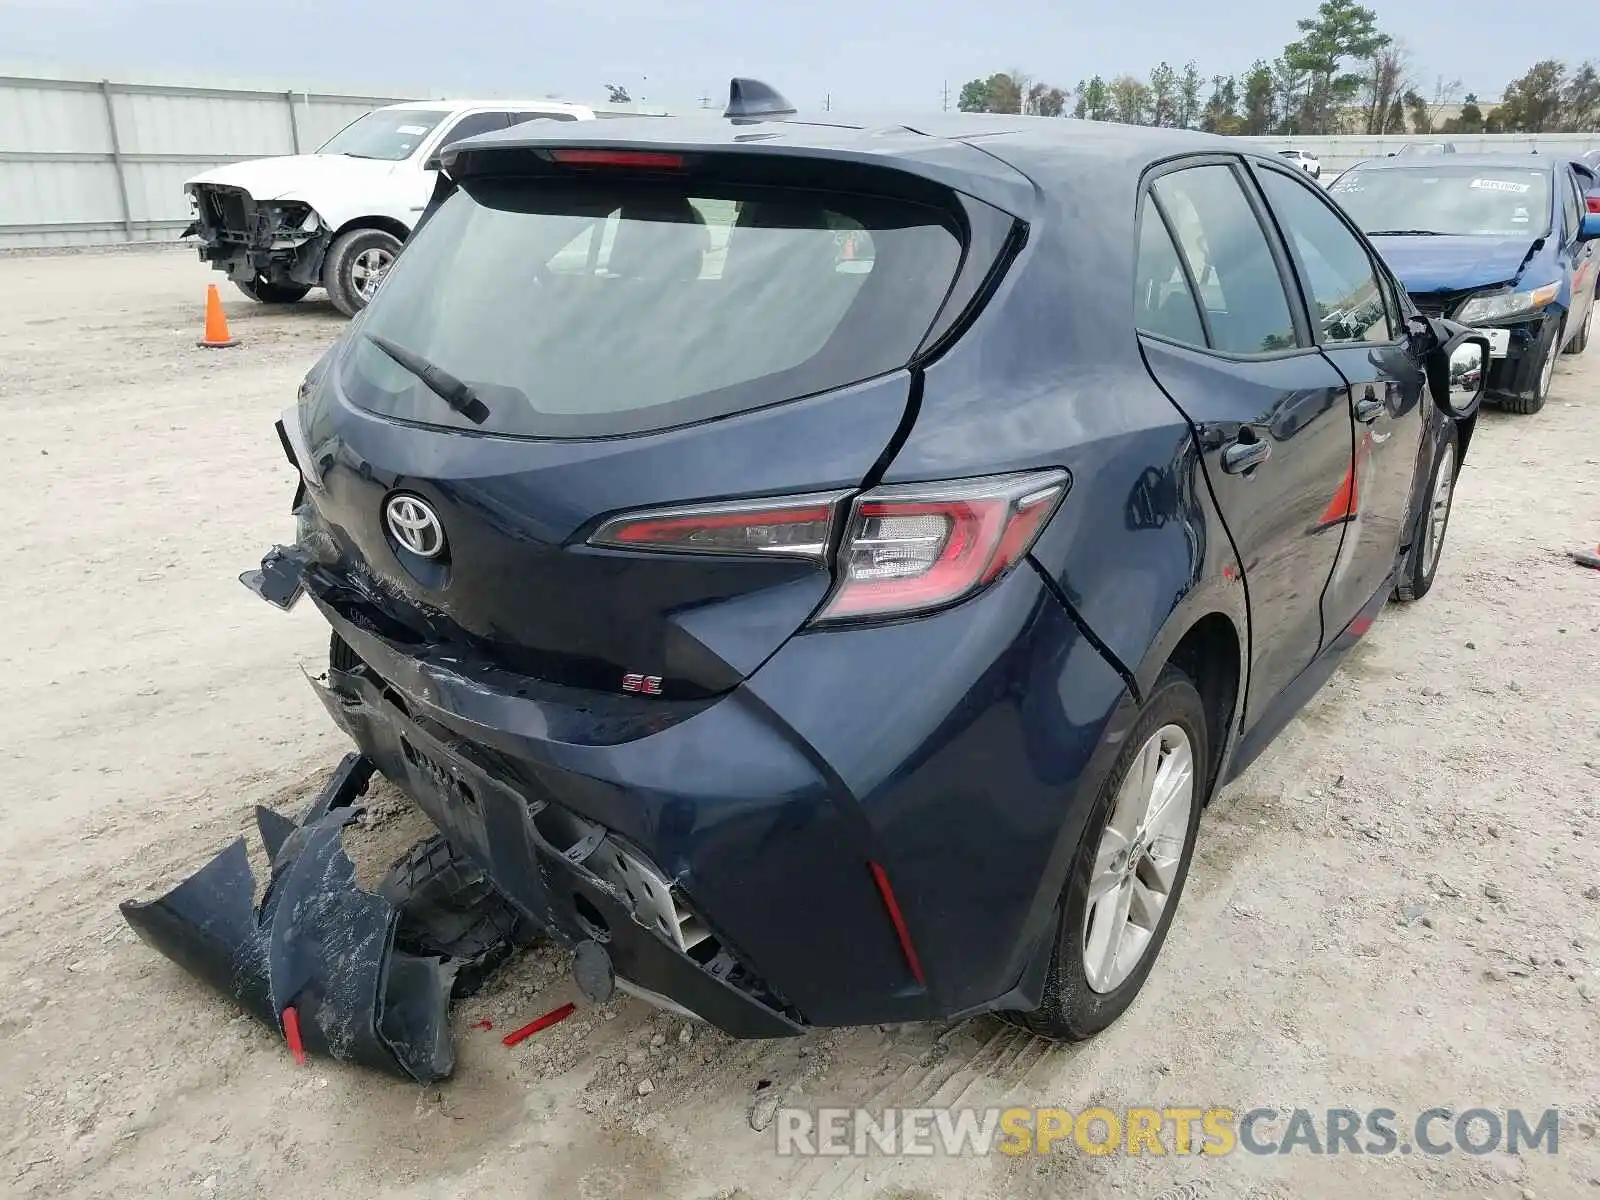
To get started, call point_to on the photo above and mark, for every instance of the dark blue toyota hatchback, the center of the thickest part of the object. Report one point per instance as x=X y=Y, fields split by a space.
x=821 y=571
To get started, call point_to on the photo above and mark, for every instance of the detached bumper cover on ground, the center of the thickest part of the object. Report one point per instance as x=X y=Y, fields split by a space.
x=318 y=944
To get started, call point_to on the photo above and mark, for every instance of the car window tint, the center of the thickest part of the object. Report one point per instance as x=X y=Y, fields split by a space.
x=1163 y=302
x=1339 y=279
x=520 y=117
x=475 y=123
x=1230 y=260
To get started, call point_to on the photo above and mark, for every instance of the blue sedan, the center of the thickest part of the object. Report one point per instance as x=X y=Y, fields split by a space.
x=1499 y=242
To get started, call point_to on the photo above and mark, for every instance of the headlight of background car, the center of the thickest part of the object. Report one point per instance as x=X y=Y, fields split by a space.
x=1500 y=306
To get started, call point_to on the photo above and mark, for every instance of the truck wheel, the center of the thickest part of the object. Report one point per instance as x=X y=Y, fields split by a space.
x=1127 y=875
x=355 y=268
x=264 y=291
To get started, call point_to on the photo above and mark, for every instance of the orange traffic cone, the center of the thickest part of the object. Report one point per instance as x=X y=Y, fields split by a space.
x=217 y=336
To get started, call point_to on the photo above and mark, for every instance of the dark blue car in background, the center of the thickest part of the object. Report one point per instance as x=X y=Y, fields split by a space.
x=821 y=571
x=1500 y=242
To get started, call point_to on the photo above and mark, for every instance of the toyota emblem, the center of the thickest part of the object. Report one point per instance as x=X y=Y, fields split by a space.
x=415 y=525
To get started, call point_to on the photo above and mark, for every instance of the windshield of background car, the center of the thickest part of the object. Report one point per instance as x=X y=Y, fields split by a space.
x=602 y=308
x=391 y=134
x=1481 y=201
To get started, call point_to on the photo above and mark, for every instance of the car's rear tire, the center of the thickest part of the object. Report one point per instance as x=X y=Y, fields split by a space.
x=1427 y=542
x=1095 y=972
x=1581 y=342
x=355 y=267
x=264 y=291
x=1533 y=401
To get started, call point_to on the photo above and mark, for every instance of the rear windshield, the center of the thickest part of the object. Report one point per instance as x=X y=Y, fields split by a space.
x=1484 y=201
x=390 y=134
x=606 y=308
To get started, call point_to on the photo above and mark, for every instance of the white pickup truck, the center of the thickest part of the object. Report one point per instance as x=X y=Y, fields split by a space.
x=336 y=218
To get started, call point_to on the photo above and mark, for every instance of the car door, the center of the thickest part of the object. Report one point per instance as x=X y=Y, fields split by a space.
x=1225 y=341
x=1581 y=254
x=1355 y=318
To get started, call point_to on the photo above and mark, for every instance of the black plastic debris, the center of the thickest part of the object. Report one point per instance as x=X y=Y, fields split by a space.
x=317 y=944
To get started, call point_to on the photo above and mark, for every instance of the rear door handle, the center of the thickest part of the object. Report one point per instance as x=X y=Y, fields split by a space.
x=1369 y=410
x=1239 y=457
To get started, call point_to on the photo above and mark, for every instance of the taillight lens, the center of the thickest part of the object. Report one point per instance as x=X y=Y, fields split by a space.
x=906 y=549
x=917 y=547
x=795 y=526
x=1593 y=201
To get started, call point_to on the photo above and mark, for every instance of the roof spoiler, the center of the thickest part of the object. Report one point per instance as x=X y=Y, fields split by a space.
x=750 y=100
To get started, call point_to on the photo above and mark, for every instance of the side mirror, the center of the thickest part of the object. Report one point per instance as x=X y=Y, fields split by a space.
x=1458 y=372
x=1589 y=227
x=433 y=163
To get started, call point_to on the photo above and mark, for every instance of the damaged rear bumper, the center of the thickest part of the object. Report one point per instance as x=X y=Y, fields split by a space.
x=317 y=960
x=581 y=882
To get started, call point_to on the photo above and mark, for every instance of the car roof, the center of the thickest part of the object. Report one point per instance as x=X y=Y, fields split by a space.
x=1002 y=159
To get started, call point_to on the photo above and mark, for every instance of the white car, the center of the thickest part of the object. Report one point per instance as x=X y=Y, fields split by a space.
x=336 y=218
x=1305 y=160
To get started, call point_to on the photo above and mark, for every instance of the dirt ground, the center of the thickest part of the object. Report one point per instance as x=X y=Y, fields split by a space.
x=1395 y=907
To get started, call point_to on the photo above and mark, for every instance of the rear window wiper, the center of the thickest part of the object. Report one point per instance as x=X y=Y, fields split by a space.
x=457 y=394
x=1404 y=233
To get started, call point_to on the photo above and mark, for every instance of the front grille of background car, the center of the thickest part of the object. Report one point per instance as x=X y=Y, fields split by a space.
x=229 y=210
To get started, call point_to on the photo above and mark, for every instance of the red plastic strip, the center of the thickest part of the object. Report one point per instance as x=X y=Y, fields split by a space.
x=291 y=1033
x=483 y=1024
x=882 y=879
x=544 y=1022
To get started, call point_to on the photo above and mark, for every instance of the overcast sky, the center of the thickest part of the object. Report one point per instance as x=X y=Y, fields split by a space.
x=873 y=54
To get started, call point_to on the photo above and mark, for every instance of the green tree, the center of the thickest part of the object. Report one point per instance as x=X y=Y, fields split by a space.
x=1580 y=100
x=1289 y=97
x=1221 y=113
x=1469 y=120
x=1189 y=85
x=1094 y=101
x=1532 y=104
x=1163 y=90
x=1259 y=101
x=1341 y=30
x=1130 y=100
x=1000 y=93
x=1421 y=118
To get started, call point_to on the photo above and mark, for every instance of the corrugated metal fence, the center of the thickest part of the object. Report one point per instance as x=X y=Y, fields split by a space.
x=87 y=161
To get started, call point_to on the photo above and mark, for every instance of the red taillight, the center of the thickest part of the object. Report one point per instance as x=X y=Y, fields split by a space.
x=907 y=549
x=646 y=160
x=800 y=526
x=1593 y=201
x=918 y=547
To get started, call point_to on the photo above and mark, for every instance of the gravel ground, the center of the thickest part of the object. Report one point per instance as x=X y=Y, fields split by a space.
x=1395 y=907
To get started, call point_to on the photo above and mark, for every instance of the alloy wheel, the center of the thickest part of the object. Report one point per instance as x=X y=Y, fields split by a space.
x=1444 y=485
x=368 y=270
x=1136 y=865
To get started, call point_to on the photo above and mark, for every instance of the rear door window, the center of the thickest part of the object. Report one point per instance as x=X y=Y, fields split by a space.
x=473 y=124
x=1163 y=304
x=1346 y=301
x=1230 y=260
x=603 y=308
